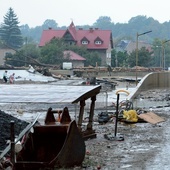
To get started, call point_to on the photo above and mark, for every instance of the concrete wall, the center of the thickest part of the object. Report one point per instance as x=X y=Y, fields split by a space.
x=152 y=80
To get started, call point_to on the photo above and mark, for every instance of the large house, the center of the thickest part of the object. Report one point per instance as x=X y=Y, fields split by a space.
x=94 y=39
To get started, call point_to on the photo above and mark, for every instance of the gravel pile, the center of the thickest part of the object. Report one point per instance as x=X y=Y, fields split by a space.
x=5 y=120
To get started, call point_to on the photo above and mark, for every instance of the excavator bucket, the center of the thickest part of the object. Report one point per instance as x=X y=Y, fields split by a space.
x=52 y=144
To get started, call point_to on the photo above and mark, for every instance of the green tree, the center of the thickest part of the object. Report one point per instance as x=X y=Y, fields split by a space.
x=157 y=52
x=49 y=23
x=145 y=58
x=119 y=59
x=103 y=22
x=166 y=55
x=52 y=52
x=15 y=60
x=92 y=58
x=24 y=56
x=114 y=58
x=122 y=59
x=10 y=32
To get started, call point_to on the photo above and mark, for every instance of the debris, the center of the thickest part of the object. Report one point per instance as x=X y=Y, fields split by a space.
x=111 y=137
x=151 y=117
x=130 y=116
x=103 y=117
x=20 y=111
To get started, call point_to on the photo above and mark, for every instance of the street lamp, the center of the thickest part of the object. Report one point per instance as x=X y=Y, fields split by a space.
x=160 y=55
x=163 y=54
x=137 y=36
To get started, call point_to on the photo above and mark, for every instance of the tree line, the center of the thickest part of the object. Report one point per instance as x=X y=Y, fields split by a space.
x=24 y=40
x=119 y=30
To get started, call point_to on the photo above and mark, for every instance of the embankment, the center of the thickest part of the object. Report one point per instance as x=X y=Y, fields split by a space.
x=152 y=80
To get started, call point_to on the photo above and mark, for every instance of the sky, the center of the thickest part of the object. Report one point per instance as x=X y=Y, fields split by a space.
x=83 y=12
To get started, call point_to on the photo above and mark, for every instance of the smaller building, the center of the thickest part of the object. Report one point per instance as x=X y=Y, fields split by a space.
x=129 y=46
x=76 y=60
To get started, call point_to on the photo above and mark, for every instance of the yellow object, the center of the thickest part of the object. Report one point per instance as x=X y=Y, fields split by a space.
x=130 y=115
x=125 y=91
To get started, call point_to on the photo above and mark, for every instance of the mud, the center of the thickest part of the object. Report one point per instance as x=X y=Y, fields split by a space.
x=5 y=120
x=145 y=146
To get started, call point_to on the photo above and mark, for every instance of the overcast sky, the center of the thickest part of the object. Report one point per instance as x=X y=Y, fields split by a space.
x=83 y=12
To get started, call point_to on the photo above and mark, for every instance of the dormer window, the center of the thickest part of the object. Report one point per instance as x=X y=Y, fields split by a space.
x=98 y=42
x=84 y=42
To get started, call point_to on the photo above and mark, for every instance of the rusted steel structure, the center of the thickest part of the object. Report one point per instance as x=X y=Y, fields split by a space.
x=54 y=143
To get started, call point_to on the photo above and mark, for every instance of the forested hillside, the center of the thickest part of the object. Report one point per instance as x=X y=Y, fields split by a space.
x=119 y=30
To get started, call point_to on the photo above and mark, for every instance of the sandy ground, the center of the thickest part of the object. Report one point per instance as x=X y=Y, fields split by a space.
x=145 y=146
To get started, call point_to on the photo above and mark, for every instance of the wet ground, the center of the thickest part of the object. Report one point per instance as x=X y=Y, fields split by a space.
x=145 y=146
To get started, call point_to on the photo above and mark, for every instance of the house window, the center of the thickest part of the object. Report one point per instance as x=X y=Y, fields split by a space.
x=84 y=42
x=98 y=42
x=108 y=55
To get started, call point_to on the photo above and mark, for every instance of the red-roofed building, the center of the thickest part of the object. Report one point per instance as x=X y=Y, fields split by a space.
x=74 y=58
x=94 y=40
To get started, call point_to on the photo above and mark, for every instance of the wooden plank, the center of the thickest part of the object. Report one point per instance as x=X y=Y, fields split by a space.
x=151 y=117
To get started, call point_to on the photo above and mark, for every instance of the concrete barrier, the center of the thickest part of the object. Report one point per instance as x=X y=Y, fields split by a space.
x=152 y=80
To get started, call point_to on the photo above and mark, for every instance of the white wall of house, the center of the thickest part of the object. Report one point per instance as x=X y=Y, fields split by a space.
x=108 y=55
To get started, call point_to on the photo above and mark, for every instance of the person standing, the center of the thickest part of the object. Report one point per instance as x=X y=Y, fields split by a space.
x=5 y=78
x=11 y=78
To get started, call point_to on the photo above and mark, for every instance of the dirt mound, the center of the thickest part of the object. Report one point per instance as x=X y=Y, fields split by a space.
x=5 y=120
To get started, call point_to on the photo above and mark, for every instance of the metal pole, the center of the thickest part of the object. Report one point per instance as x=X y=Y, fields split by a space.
x=12 y=143
x=136 y=58
x=164 y=58
x=117 y=111
x=116 y=61
x=162 y=61
x=106 y=100
x=160 y=58
x=137 y=35
x=163 y=54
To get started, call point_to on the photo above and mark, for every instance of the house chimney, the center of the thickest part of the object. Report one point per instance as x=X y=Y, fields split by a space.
x=49 y=28
x=91 y=29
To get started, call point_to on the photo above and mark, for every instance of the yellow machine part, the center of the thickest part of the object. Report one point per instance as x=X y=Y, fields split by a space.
x=130 y=115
